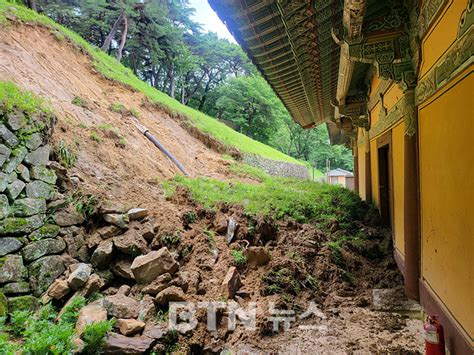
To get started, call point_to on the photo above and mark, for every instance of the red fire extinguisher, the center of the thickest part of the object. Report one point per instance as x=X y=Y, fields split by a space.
x=434 y=336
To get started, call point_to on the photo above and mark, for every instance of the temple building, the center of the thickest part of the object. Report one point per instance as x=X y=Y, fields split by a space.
x=393 y=81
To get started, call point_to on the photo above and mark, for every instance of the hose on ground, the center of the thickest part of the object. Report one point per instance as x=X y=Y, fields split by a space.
x=160 y=146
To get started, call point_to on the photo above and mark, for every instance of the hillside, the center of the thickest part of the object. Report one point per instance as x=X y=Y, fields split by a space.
x=112 y=69
x=98 y=226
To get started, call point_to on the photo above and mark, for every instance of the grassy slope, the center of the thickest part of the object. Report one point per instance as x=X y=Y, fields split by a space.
x=114 y=70
x=303 y=200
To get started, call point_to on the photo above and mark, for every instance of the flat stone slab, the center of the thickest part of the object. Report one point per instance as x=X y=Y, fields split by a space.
x=393 y=300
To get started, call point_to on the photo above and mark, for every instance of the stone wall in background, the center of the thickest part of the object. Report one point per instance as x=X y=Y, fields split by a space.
x=277 y=168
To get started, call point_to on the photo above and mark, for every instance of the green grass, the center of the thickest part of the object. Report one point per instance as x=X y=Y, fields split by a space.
x=112 y=69
x=12 y=97
x=305 y=201
x=43 y=333
x=239 y=257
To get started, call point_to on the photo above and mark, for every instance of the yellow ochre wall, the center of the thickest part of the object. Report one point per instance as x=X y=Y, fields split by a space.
x=446 y=139
x=442 y=34
x=446 y=163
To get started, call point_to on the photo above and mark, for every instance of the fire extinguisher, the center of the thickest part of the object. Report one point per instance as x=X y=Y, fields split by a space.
x=434 y=336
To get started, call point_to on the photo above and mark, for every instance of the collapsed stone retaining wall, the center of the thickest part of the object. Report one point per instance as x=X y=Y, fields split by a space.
x=277 y=168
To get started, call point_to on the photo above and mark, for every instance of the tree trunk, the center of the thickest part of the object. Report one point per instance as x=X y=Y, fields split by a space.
x=32 y=5
x=108 y=40
x=183 y=95
x=172 y=82
x=123 y=39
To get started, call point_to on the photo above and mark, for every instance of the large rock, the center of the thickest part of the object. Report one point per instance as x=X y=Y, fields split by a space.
x=12 y=269
x=34 y=141
x=4 y=206
x=58 y=289
x=14 y=288
x=46 y=231
x=89 y=314
x=231 y=283
x=14 y=189
x=16 y=158
x=68 y=217
x=3 y=181
x=119 y=220
x=157 y=285
x=170 y=294
x=39 y=189
x=137 y=213
x=44 y=174
x=147 y=311
x=26 y=207
x=43 y=247
x=76 y=246
x=131 y=242
x=20 y=225
x=93 y=285
x=7 y=136
x=9 y=245
x=130 y=326
x=108 y=232
x=148 y=267
x=121 y=306
x=22 y=303
x=4 y=154
x=122 y=269
x=120 y=344
x=44 y=271
x=102 y=256
x=23 y=172
x=17 y=120
x=39 y=156
x=79 y=276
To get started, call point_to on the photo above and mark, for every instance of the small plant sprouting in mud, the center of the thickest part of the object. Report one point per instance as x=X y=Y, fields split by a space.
x=122 y=142
x=79 y=101
x=171 y=239
x=281 y=280
x=95 y=136
x=239 y=257
x=65 y=155
x=161 y=316
x=310 y=282
x=59 y=36
x=295 y=256
x=117 y=107
x=82 y=125
x=189 y=218
x=134 y=112
x=211 y=237
x=94 y=336
x=85 y=204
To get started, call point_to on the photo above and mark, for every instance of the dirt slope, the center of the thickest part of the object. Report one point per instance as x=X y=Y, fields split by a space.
x=36 y=60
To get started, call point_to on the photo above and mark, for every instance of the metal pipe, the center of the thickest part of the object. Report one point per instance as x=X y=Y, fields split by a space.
x=160 y=146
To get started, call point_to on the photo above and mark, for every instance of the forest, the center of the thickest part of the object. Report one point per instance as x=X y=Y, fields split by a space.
x=161 y=43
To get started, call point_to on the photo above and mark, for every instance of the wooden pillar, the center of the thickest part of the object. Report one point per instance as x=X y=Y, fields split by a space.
x=368 y=171
x=411 y=219
x=356 y=169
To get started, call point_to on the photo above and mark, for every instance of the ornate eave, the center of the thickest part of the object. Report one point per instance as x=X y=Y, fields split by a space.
x=376 y=35
x=291 y=43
